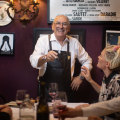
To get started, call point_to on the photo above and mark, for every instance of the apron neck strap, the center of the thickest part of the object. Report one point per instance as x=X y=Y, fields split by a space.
x=68 y=46
x=49 y=36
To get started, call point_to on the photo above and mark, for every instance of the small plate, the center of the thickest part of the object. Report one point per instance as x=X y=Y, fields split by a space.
x=4 y=18
x=12 y=103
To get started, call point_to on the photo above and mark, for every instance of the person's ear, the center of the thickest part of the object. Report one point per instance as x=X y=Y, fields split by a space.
x=107 y=64
x=53 y=27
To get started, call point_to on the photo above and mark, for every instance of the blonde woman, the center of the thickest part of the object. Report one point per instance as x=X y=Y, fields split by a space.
x=109 y=63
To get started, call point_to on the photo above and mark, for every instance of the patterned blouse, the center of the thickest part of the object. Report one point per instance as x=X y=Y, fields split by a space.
x=110 y=89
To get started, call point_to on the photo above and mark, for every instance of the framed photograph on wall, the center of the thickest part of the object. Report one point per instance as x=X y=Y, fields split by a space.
x=7 y=44
x=77 y=33
x=111 y=36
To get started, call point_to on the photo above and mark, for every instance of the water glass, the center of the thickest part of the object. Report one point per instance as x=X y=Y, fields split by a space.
x=27 y=113
x=59 y=103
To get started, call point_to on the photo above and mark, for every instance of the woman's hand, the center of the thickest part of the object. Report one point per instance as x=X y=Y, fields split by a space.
x=86 y=73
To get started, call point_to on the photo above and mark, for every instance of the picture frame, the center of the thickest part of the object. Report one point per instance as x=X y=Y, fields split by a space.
x=6 y=44
x=77 y=33
x=85 y=11
x=111 y=36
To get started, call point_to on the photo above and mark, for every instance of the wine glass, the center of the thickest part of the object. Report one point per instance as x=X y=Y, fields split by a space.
x=53 y=88
x=20 y=96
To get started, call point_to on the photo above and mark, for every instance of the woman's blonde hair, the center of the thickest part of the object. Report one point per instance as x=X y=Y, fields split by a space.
x=112 y=55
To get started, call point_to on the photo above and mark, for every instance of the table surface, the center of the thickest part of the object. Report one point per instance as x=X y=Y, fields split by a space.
x=16 y=113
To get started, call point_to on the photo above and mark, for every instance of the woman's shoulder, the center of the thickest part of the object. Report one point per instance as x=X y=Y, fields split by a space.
x=117 y=78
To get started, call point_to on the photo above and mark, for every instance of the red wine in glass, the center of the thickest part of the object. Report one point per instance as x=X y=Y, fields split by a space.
x=20 y=96
x=52 y=94
x=53 y=88
x=19 y=102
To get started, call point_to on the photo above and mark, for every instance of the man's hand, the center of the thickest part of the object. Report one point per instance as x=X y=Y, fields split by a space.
x=51 y=56
x=76 y=82
x=70 y=113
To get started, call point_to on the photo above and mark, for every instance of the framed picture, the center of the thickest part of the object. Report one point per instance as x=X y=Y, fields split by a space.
x=6 y=43
x=85 y=11
x=77 y=33
x=111 y=36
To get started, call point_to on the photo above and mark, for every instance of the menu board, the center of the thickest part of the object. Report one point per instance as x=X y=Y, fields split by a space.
x=85 y=10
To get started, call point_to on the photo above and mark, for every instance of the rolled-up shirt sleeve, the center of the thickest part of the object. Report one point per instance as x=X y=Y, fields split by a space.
x=102 y=108
x=40 y=50
x=83 y=56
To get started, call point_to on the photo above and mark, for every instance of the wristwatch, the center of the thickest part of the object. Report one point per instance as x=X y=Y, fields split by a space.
x=81 y=77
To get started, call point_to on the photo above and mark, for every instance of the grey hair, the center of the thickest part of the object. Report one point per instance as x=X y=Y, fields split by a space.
x=112 y=55
x=61 y=16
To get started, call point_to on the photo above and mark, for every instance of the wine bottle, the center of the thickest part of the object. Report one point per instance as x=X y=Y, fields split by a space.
x=42 y=108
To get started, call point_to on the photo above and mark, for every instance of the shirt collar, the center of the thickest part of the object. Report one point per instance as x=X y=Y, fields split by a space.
x=53 y=38
x=108 y=79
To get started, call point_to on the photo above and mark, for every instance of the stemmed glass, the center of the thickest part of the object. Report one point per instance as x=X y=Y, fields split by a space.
x=20 y=96
x=53 y=88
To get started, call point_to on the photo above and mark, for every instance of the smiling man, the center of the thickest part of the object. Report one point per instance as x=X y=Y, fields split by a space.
x=55 y=55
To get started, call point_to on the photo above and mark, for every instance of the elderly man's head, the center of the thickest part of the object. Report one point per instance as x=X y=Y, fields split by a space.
x=61 y=26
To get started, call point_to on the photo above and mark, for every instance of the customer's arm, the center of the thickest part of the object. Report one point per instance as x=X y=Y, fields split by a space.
x=86 y=73
x=5 y=112
x=102 y=108
x=96 y=109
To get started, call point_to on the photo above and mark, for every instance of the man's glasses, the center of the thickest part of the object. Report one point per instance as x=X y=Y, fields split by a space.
x=64 y=24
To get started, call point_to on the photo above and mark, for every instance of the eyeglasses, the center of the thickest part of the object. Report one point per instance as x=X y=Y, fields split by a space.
x=65 y=24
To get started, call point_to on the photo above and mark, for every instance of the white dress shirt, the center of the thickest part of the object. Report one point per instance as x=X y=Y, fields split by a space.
x=75 y=48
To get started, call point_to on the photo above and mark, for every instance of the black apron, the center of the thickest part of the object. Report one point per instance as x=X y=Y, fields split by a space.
x=59 y=70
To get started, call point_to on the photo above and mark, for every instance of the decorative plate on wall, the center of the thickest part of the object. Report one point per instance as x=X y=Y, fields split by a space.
x=4 y=18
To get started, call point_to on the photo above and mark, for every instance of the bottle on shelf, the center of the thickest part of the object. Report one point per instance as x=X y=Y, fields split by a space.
x=42 y=108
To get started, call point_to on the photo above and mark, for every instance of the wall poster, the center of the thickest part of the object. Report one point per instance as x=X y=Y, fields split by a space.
x=85 y=11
